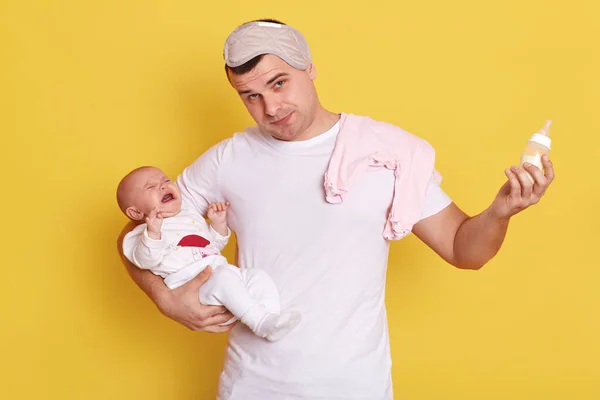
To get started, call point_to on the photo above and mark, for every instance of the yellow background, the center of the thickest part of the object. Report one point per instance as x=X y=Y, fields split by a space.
x=91 y=89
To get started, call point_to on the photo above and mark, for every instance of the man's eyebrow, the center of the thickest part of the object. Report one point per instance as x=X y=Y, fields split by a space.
x=273 y=79
x=279 y=75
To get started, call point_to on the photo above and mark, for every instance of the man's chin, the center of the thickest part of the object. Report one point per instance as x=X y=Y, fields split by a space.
x=285 y=135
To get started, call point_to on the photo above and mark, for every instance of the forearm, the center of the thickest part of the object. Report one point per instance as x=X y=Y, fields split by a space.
x=150 y=283
x=220 y=235
x=220 y=228
x=478 y=239
x=149 y=252
x=146 y=258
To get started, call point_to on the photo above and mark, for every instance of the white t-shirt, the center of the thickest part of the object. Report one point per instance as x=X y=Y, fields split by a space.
x=328 y=261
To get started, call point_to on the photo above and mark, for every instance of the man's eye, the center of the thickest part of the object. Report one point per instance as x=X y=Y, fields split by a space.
x=280 y=84
x=253 y=96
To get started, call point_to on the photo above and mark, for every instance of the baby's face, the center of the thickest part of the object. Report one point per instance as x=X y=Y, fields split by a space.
x=150 y=188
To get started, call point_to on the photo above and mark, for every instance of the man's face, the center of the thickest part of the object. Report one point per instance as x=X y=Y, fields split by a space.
x=282 y=100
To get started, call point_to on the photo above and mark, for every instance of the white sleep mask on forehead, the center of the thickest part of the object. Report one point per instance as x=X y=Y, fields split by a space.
x=256 y=38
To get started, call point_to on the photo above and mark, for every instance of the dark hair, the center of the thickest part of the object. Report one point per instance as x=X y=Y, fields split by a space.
x=249 y=65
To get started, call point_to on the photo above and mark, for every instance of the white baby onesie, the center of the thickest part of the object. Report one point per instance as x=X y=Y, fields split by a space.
x=187 y=246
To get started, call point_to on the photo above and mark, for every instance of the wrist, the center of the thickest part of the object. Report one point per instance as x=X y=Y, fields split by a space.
x=153 y=234
x=497 y=217
x=220 y=228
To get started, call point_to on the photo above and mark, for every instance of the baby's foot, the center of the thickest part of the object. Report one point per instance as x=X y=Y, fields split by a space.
x=274 y=327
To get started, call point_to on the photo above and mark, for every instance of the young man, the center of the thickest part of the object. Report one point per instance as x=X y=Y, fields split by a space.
x=328 y=261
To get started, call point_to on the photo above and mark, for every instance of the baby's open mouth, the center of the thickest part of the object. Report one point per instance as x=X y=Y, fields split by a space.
x=167 y=197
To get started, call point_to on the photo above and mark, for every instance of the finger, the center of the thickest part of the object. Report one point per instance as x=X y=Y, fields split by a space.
x=200 y=278
x=217 y=319
x=219 y=328
x=215 y=329
x=515 y=187
x=548 y=168
x=525 y=182
x=541 y=182
x=213 y=311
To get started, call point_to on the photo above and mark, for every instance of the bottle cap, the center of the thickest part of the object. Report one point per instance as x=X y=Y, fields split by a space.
x=543 y=135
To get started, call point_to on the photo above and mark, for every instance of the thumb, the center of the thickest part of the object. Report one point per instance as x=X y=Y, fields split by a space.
x=202 y=277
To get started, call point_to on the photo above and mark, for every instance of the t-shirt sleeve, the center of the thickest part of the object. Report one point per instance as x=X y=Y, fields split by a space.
x=199 y=182
x=435 y=199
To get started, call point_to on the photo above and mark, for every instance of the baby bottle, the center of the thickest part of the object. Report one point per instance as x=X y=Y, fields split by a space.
x=537 y=146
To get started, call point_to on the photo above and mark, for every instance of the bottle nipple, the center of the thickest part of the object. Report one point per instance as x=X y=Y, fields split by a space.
x=545 y=129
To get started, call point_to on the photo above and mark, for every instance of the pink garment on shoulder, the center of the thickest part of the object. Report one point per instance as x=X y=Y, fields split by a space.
x=362 y=144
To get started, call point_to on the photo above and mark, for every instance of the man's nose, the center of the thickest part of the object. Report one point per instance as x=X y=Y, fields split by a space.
x=272 y=105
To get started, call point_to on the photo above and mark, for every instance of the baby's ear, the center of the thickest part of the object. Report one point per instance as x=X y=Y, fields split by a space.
x=134 y=213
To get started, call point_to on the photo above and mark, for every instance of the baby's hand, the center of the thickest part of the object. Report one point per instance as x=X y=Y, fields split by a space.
x=217 y=212
x=154 y=223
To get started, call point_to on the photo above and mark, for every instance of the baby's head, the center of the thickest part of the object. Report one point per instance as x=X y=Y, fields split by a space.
x=145 y=189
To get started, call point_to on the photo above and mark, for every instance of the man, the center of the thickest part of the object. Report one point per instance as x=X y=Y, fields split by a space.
x=328 y=261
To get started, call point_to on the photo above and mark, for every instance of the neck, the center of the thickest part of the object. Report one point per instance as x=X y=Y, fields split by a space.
x=322 y=122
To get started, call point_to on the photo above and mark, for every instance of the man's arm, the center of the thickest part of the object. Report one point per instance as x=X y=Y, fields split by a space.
x=181 y=304
x=463 y=241
x=470 y=242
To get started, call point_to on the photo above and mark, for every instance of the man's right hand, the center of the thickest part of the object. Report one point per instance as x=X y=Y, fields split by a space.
x=183 y=306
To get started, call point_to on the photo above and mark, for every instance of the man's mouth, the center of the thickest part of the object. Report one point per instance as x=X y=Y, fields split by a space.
x=167 y=197
x=282 y=121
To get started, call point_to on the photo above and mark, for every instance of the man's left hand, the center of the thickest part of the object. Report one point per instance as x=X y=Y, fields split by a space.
x=519 y=192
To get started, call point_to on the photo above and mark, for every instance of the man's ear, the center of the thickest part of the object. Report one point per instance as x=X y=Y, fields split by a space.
x=134 y=213
x=312 y=72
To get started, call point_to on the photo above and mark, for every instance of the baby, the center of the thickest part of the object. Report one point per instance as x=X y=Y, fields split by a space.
x=177 y=244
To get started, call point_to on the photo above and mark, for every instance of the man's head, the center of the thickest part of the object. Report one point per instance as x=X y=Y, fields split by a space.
x=145 y=189
x=269 y=64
